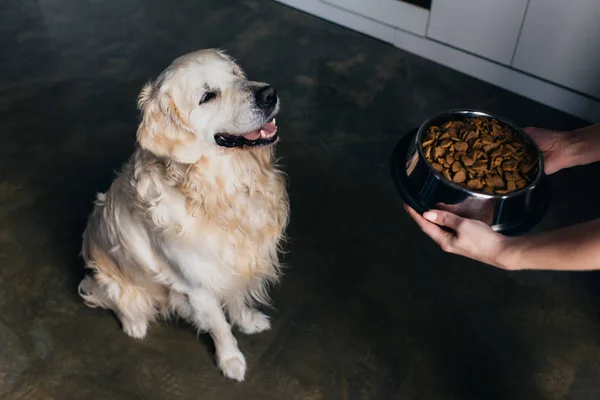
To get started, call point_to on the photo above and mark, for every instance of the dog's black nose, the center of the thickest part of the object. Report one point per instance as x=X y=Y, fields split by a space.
x=266 y=97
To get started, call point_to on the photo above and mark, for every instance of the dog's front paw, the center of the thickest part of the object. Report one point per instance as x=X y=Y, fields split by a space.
x=233 y=365
x=135 y=329
x=255 y=322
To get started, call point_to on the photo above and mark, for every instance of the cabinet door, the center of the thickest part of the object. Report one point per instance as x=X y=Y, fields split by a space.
x=560 y=42
x=396 y=13
x=487 y=28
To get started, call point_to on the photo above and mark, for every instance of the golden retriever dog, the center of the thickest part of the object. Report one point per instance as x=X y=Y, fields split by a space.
x=193 y=224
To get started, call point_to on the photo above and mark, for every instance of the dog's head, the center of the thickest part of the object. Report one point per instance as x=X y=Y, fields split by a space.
x=202 y=103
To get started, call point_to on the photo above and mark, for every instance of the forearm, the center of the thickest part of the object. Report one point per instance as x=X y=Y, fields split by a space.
x=576 y=248
x=583 y=146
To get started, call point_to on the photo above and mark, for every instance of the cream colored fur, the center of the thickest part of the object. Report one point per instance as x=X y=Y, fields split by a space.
x=190 y=228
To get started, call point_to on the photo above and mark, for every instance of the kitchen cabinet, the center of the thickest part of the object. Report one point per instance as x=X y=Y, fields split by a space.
x=546 y=50
x=487 y=28
x=560 y=42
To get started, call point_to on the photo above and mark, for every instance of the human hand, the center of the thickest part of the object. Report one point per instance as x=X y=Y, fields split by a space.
x=469 y=238
x=553 y=145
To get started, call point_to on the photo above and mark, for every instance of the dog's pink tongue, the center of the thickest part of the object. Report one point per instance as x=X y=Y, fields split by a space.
x=252 y=135
x=267 y=130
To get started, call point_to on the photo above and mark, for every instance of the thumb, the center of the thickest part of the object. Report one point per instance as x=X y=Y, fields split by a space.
x=444 y=218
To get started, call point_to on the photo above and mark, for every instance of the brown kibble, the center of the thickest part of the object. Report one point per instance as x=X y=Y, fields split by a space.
x=486 y=139
x=460 y=176
x=517 y=176
x=495 y=153
x=489 y=147
x=480 y=154
x=468 y=161
x=510 y=177
x=479 y=166
x=427 y=151
x=496 y=130
x=431 y=134
x=525 y=167
x=447 y=175
x=510 y=165
x=438 y=152
x=508 y=150
x=488 y=190
x=470 y=135
x=445 y=143
x=447 y=125
x=475 y=184
x=443 y=136
x=496 y=162
x=461 y=146
x=495 y=181
x=434 y=130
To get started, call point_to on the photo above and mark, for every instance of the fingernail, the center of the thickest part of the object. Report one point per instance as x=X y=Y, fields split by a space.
x=430 y=216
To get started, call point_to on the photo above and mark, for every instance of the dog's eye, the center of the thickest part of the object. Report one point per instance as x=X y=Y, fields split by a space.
x=207 y=96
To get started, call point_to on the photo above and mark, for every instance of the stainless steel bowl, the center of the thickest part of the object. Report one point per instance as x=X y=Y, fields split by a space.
x=423 y=188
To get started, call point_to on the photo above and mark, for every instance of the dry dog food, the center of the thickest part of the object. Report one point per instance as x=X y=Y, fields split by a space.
x=481 y=155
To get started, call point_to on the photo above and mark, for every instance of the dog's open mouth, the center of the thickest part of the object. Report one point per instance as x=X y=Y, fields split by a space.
x=266 y=135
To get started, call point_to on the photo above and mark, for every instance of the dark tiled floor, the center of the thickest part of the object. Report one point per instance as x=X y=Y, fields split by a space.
x=369 y=309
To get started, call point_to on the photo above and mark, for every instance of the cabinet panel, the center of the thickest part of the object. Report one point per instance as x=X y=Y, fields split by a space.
x=488 y=28
x=396 y=13
x=560 y=42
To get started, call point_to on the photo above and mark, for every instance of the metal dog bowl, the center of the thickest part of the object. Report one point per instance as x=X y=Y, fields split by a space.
x=423 y=188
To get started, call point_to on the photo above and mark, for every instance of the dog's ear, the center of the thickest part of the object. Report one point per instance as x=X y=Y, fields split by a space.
x=163 y=130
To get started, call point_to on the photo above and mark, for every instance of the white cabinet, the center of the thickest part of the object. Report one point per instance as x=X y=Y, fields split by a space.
x=560 y=42
x=394 y=13
x=546 y=50
x=487 y=28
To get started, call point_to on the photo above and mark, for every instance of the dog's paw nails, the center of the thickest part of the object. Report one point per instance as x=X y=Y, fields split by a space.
x=136 y=330
x=233 y=366
x=257 y=322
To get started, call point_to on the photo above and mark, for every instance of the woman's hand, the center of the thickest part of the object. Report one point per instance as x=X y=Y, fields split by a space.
x=469 y=238
x=554 y=146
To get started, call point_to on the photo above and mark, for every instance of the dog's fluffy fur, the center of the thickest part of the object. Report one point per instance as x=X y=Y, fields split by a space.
x=189 y=227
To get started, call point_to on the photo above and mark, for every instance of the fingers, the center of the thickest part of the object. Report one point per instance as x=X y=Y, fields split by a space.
x=438 y=235
x=444 y=218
